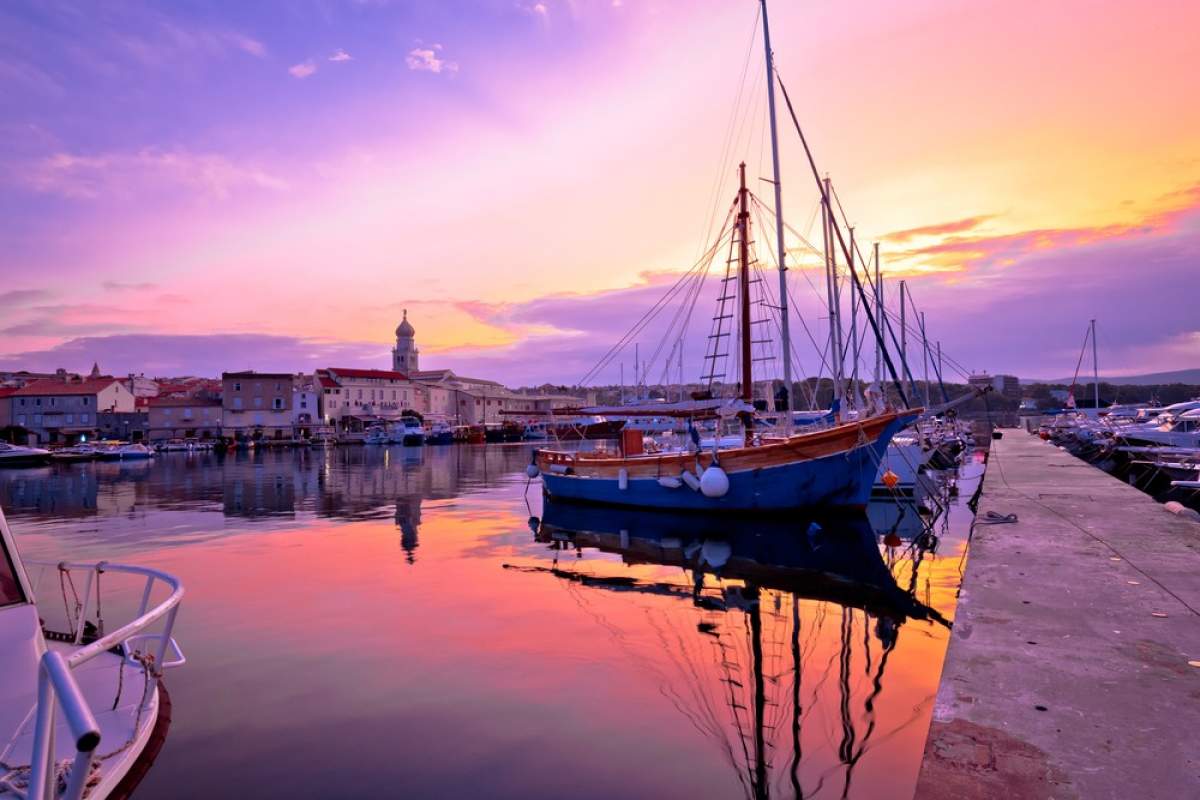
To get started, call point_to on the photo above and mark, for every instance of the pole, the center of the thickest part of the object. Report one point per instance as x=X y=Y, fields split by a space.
x=622 y=383
x=904 y=342
x=828 y=245
x=837 y=302
x=743 y=223
x=925 y=357
x=637 y=375
x=878 y=311
x=853 y=333
x=1095 y=368
x=780 y=250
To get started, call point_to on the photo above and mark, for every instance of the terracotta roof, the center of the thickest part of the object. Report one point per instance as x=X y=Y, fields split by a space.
x=180 y=402
x=7 y=392
x=368 y=373
x=55 y=387
x=327 y=382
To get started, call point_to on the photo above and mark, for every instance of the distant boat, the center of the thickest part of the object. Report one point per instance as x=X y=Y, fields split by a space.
x=376 y=434
x=13 y=455
x=80 y=452
x=440 y=433
x=125 y=452
x=408 y=432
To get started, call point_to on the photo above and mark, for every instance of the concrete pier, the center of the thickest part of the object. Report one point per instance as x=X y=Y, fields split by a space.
x=1074 y=666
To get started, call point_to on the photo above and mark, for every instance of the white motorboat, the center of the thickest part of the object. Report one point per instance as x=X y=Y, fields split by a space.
x=112 y=706
x=14 y=455
x=1173 y=431
x=125 y=452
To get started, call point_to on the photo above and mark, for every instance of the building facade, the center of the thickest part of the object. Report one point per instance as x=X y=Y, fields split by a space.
x=184 y=418
x=256 y=405
x=58 y=412
x=364 y=394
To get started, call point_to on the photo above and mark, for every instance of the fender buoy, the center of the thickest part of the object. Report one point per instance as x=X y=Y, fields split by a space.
x=532 y=471
x=714 y=482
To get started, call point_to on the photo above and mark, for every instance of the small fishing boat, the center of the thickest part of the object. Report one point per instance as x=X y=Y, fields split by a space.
x=408 y=432
x=439 y=433
x=125 y=451
x=173 y=446
x=113 y=711
x=75 y=454
x=13 y=455
x=536 y=431
x=376 y=434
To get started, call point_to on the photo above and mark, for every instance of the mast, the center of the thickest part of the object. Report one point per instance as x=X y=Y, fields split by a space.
x=878 y=309
x=832 y=295
x=925 y=357
x=743 y=225
x=904 y=343
x=1095 y=368
x=780 y=250
x=853 y=334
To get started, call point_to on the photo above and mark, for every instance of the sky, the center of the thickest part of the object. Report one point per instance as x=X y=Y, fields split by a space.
x=193 y=187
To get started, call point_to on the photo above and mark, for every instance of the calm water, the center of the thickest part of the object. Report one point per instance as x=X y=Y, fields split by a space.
x=404 y=621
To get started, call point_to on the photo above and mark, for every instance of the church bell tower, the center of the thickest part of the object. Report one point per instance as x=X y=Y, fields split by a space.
x=404 y=355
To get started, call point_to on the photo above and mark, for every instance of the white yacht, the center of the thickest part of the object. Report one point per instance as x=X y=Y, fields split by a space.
x=105 y=681
x=14 y=455
x=1174 y=431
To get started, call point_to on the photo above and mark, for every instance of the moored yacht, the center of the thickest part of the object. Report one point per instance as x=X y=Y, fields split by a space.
x=14 y=455
x=112 y=707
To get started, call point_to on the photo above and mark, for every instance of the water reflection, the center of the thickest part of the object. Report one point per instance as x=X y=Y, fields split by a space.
x=272 y=487
x=339 y=599
x=755 y=586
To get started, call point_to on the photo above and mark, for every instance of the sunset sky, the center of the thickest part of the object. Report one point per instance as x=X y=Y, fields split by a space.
x=191 y=187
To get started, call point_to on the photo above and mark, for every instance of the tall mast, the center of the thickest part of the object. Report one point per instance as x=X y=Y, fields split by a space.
x=1095 y=368
x=780 y=250
x=878 y=311
x=743 y=225
x=853 y=333
x=831 y=288
x=904 y=344
x=925 y=357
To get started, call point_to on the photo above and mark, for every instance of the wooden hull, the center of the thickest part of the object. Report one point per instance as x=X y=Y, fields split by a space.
x=833 y=467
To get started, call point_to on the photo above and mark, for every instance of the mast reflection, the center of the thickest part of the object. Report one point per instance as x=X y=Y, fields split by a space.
x=763 y=591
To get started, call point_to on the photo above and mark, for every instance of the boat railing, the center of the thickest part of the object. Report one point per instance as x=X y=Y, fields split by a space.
x=57 y=685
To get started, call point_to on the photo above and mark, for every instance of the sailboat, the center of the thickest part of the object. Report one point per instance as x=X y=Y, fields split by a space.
x=834 y=466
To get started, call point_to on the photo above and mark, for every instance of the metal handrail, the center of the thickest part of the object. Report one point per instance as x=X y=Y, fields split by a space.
x=56 y=682
x=146 y=616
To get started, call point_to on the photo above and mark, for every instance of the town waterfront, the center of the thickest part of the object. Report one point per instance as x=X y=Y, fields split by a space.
x=398 y=621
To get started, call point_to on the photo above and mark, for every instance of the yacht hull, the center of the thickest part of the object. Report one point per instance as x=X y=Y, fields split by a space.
x=828 y=468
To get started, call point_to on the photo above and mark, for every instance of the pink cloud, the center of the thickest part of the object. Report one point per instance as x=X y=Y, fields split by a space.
x=303 y=69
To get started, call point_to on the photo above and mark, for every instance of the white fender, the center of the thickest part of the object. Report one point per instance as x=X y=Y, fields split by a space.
x=714 y=482
x=622 y=479
x=668 y=482
x=716 y=554
x=691 y=480
x=559 y=469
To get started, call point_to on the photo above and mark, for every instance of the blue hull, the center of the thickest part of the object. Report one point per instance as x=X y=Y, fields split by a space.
x=842 y=479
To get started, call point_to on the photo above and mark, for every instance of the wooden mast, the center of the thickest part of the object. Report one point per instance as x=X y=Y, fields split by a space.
x=743 y=226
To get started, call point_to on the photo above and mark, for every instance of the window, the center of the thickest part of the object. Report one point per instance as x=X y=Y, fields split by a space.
x=20 y=419
x=237 y=387
x=166 y=412
x=237 y=403
x=37 y=419
x=37 y=402
x=53 y=401
x=360 y=394
x=22 y=401
x=303 y=402
x=70 y=419
x=277 y=387
x=187 y=413
x=83 y=418
x=277 y=404
x=87 y=401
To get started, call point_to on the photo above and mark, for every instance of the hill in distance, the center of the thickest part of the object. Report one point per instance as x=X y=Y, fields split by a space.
x=1188 y=376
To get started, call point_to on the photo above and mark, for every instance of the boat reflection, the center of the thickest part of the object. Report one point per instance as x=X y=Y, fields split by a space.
x=763 y=590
